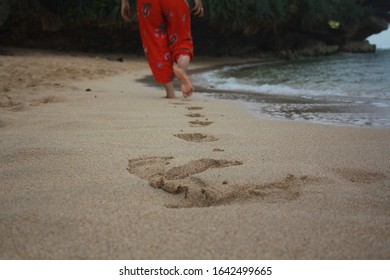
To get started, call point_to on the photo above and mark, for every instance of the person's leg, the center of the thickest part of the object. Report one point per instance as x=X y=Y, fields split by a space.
x=154 y=35
x=183 y=61
x=170 y=90
x=178 y=16
x=181 y=73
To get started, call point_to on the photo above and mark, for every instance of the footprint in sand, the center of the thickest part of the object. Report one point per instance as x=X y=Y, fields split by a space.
x=194 y=115
x=174 y=179
x=178 y=103
x=196 y=137
x=223 y=193
x=7 y=102
x=359 y=176
x=199 y=193
x=194 y=108
x=45 y=100
x=199 y=123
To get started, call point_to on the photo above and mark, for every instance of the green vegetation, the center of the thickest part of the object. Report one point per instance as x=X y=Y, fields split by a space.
x=71 y=11
x=302 y=15
x=236 y=15
x=258 y=24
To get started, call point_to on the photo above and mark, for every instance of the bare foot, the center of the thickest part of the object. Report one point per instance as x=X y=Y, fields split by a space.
x=170 y=96
x=170 y=91
x=186 y=86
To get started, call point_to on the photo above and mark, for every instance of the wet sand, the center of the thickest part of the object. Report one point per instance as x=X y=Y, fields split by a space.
x=96 y=165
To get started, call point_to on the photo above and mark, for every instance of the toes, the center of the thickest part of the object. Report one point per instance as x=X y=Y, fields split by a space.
x=187 y=91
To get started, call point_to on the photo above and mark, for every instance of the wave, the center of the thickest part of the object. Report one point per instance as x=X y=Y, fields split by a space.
x=213 y=80
x=345 y=89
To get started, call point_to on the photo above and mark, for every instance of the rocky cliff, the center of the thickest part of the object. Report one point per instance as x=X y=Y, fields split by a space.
x=44 y=29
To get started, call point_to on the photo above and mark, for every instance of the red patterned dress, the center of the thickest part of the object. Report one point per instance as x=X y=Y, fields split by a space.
x=165 y=27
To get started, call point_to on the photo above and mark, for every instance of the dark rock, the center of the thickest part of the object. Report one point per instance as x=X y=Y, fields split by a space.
x=44 y=29
x=5 y=52
x=314 y=48
x=367 y=27
x=358 y=47
x=318 y=49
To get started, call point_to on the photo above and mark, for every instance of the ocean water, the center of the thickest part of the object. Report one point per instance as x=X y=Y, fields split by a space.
x=343 y=89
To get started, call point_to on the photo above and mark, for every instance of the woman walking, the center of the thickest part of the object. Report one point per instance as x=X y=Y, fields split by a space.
x=165 y=28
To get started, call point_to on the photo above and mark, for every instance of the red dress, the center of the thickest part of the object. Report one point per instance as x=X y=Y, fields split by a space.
x=165 y=27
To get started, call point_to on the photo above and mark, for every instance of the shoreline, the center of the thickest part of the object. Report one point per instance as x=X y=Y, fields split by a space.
x=264 y=105
x=118 y=172
x=302 y=104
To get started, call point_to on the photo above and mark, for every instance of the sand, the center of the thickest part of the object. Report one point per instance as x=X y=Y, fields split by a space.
x=96 y=165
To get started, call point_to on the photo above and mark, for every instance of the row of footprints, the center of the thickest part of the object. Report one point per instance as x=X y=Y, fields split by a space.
x=196 y=137
x=192 y=191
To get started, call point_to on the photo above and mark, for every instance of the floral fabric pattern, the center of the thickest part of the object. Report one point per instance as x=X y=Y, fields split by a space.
x=165 y=28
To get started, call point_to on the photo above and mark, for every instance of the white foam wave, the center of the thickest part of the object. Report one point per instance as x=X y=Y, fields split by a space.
x=212 y=80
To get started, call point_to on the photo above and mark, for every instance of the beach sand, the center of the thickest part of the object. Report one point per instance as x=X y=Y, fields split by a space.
x=96 y=165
